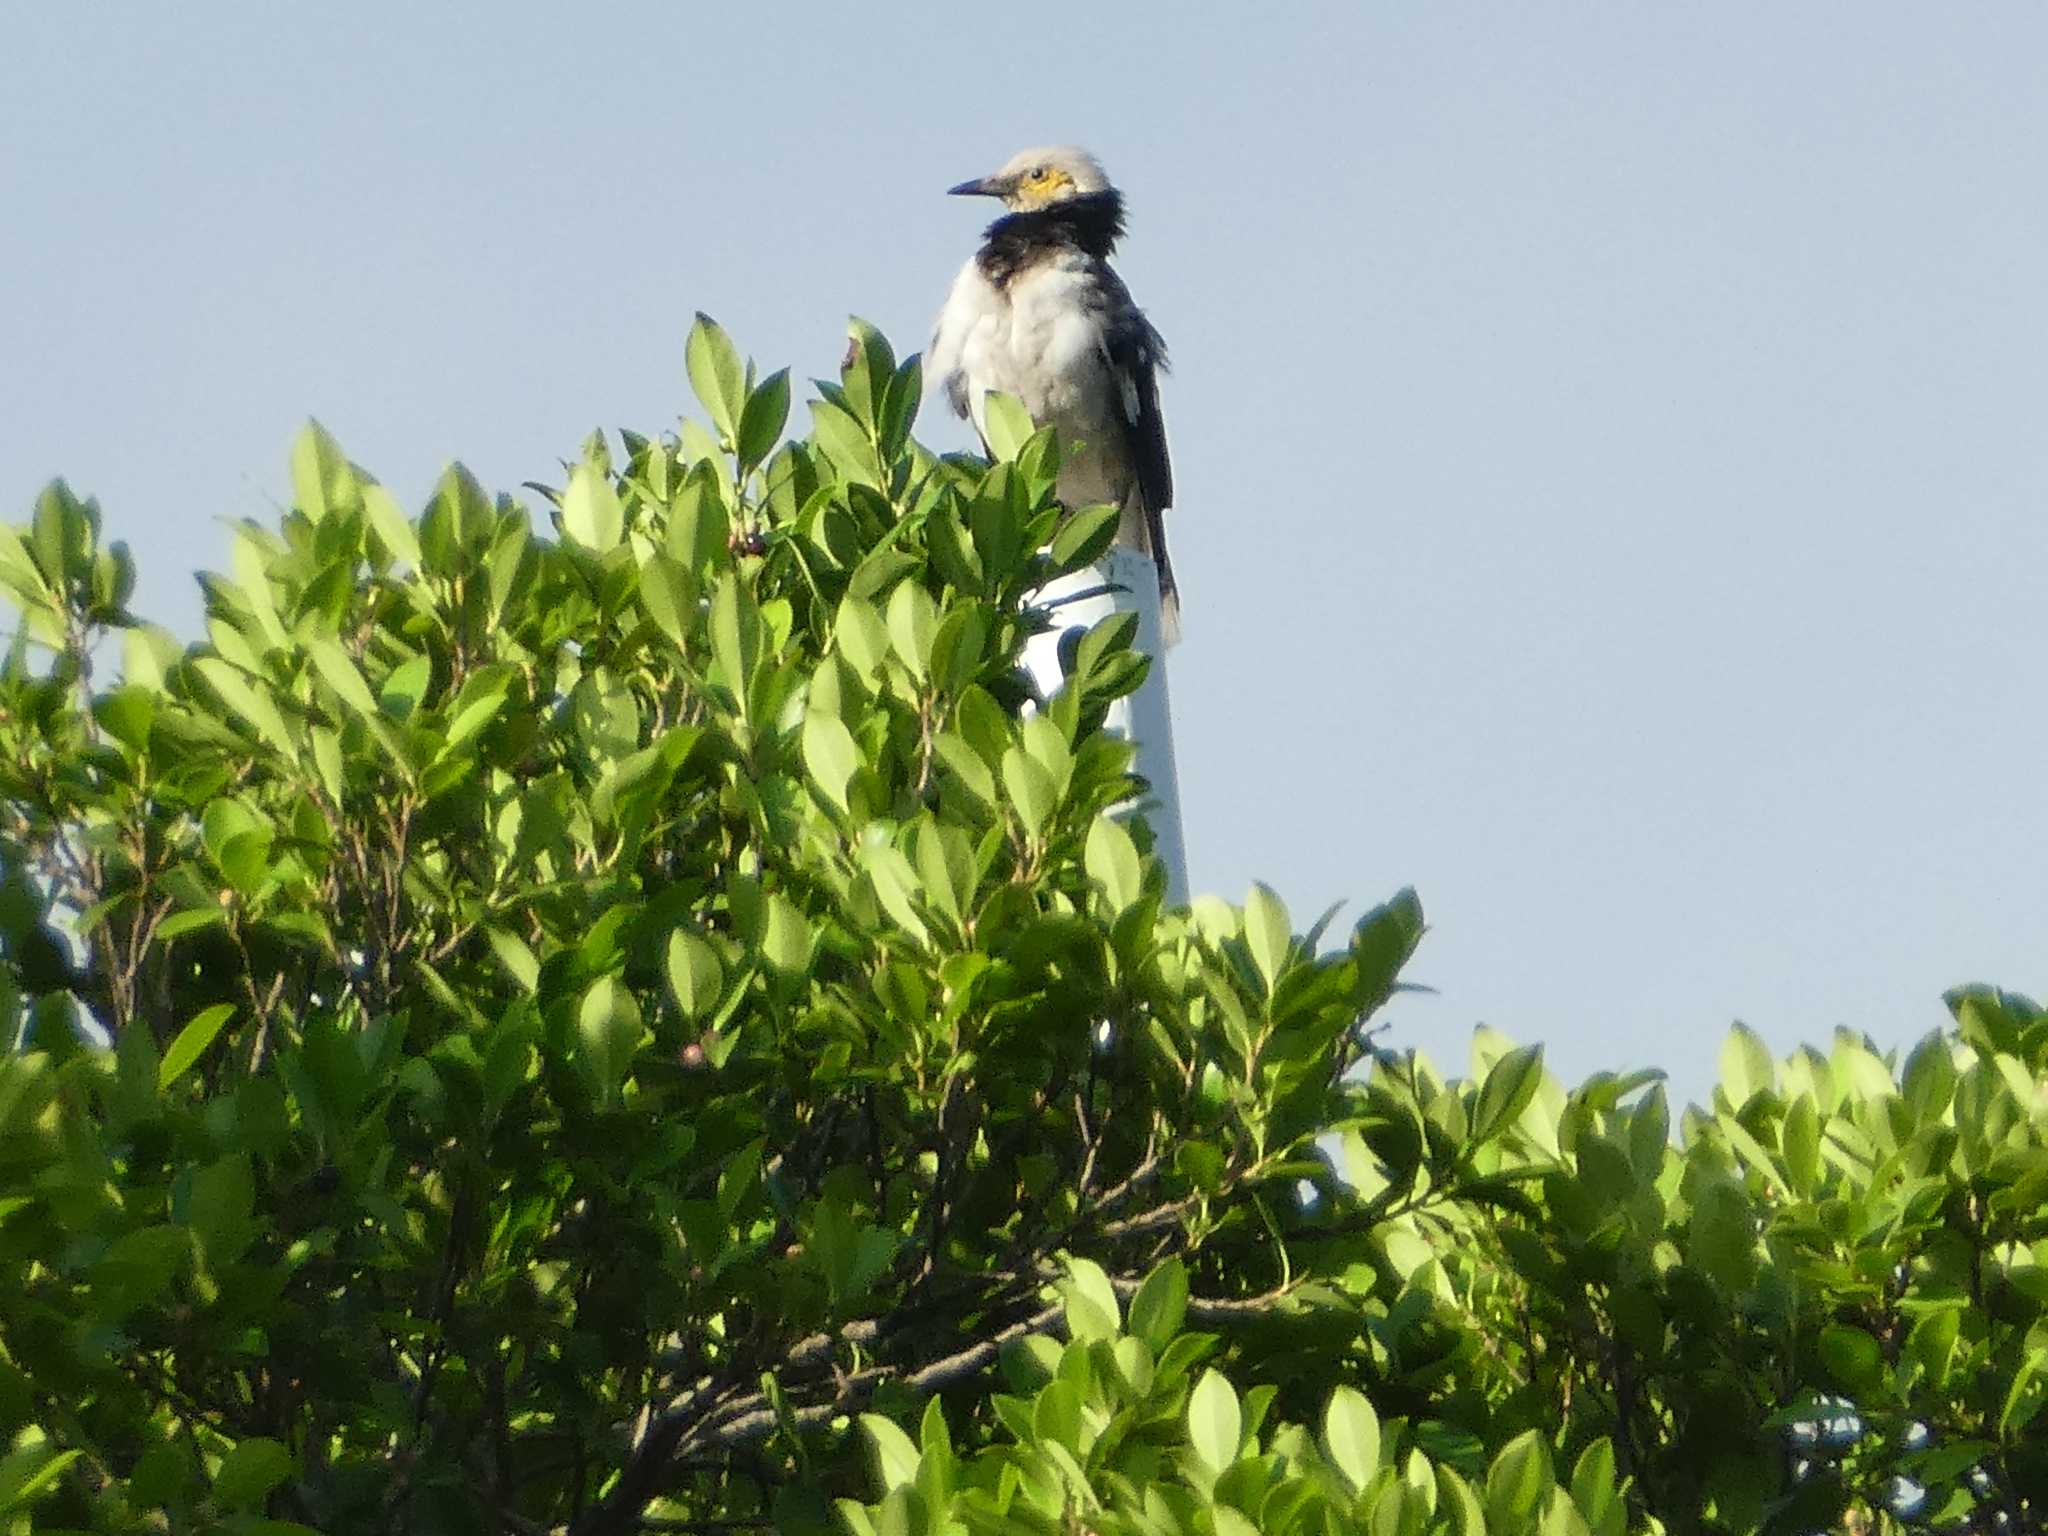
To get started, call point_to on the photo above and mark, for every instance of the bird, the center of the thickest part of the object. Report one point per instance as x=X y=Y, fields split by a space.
x=1038 y=312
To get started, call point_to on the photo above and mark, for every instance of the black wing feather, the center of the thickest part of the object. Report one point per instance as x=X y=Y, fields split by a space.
x=1137 y=356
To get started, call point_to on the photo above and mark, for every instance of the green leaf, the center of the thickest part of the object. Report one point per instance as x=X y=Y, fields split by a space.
x=249 y=1472
x=1800 y=1139
x=30 y=1472
x=913 y=622
x=1215 y=1422
x=1005 y=424
x=1160 y=1305
x=786 y=938
x=896 y=1455
x=389 y=526
x=1267 y=933
x=1056 y=1416
x=896 y=886
x=844 y=444
x=1381 y=943
x=405 y=687
x=1092 y=1312
x=668 y=593
x=192 y=920
x=1084 y=536
x=1561 y=1517
x=1030 y=790
x=859 y=634
x=762 y=421
x=1351 y=1435
x=247 y=699
x=323 y=481
x=2025 y=1397
x=18 y=570
x=1724 y=1235
x=223 y=1208
x=1466 y=1516
x=137 y=1269
x=715 y=374
x=481 y=700
x=338 y=670
x=148 y=652
x=591 y=512
x=831 y=756
x=1928 y=1080
x=959 y=648
x=737 y=1179
x=1853 y=1357
x=1112 y=863
x=1509 y=1087
x=694 y=973
x=1593 y=1487
x=191 y=1042
x=1518 y=1482
x=1046 y=743
x=126 y=714
x=325 y=747
x=735 y=635
x=515 y=955
x=608 y=1028
x=1746 y=1066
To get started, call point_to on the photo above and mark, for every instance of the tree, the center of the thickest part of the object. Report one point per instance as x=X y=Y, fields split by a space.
x=610 y=1033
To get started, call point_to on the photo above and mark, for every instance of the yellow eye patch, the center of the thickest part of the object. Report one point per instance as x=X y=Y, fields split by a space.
x=1044 y=185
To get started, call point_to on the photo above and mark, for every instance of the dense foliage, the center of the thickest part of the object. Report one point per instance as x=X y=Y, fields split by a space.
x=655 y=1029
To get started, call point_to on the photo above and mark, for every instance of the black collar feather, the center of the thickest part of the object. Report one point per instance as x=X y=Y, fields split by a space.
x=1091 y=223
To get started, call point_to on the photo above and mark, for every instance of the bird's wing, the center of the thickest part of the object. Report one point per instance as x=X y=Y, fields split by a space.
x=972 y=305
x=1137 y=355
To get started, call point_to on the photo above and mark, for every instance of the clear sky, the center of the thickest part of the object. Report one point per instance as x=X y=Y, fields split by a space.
x=1612 y=441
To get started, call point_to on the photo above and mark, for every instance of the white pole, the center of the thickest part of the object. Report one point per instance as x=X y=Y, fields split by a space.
x=1124 y=581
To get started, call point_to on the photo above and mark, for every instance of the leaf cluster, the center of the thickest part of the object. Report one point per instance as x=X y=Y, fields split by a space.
x=645 y=1018
x=593 y=1005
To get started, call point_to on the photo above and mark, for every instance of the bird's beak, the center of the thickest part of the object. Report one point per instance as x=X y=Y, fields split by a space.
x=982 y=186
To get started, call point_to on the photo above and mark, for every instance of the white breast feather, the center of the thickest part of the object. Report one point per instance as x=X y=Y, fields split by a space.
x=967 y=333
x=1040 y=340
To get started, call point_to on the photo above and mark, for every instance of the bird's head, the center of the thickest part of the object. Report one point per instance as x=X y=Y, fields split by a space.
x=1037 y=178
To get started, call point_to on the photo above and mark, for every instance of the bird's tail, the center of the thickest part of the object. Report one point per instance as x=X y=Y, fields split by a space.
x=1169 y=589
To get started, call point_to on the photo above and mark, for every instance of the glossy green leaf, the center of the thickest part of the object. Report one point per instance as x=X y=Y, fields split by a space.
x=1517 y=1482
x=912 y=622
x=1215 y=1421
x=323 y=481
x=1005 y=424
x=1112 y=862
x=1030 y=790
x=831 y=756
x=1159 y=1305
x=1351 y=1434
x=715 y=374
x=191 y=1042
x=763 y=418
x=1268 y=932
x=695 y=975
x=1092 y=1310
x=1085 y=536
x=1507 y=1091
x=1746 y=1065
x=249 y=699
x=896 y=1457
x=591 y=512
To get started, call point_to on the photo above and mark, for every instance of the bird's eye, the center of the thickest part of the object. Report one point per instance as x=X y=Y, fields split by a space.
x=1039 y=173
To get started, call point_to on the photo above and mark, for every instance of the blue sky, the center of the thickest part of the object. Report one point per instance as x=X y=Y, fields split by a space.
x=1610 y=439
